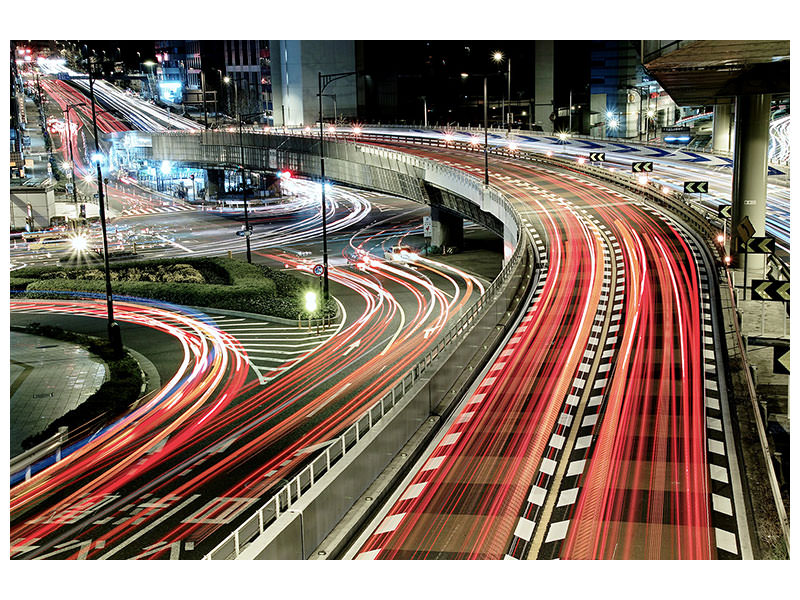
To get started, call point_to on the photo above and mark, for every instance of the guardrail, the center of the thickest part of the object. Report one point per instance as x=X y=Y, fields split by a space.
x=290 y=493
x=49 y=447
x=762 y=434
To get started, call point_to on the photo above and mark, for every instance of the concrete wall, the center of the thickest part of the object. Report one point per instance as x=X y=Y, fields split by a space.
x=42 y=201
x=544 y=73
x=352 y=164
x=295 y=67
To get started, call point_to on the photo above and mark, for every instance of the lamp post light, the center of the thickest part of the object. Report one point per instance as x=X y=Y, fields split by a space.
x=114 y=334
x=323 y=82
x=651 y=113
x=149 y=64
x=244 y=186
x=485 y=126
x=69 y=143
x=498 y=58
x=228 y=79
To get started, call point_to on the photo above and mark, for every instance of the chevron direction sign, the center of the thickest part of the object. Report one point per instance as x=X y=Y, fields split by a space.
x=780 y=360
x=764 y=289
x=597 y=156
x=725 y=212
x=758 y=245
x=695 y=187
x=642 y=167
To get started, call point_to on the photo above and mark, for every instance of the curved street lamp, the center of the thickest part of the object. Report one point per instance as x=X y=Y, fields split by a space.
x=327 y=79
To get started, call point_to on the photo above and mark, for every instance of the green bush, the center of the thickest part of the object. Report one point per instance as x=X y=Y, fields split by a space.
x=205 y=282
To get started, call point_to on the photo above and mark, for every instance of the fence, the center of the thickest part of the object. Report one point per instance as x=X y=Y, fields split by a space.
x=284 y=499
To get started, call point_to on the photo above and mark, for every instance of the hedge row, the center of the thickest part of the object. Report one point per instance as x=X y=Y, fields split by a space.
x=230 y=284
x=112 y=399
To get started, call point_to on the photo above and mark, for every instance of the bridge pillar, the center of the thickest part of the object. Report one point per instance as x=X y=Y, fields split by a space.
x=216 y=182
x=721 y=133
x=749 y=191
x=447 y=228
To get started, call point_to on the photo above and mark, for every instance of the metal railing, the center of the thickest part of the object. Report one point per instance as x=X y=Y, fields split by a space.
x=21 y=465
x=290 y=493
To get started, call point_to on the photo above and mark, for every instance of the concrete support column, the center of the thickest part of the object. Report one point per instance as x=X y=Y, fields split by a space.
x=447 y=228
x=721 y=134
x=749 y=192
x=216 y=182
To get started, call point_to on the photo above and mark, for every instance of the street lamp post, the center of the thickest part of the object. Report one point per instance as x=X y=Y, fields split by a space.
x=486 y=130
x=69 y=142
x=244 y=186
x=114 y=334
x=236 y=93
x=498 y=58
x=149 y=64
x=328 y=79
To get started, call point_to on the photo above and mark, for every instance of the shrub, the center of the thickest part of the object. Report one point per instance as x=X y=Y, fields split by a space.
x=206 y=282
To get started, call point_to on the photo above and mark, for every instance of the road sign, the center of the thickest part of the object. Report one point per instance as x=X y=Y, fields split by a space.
x=675 y=129
x=642 y=167
x=764 y=289
x=725 y=212
x=244 y=233
x=597 y=156
x=745 y=229
x=695 y=187
x=319 y=270
x=427 y=227
x=780 y=360
x=758 y=245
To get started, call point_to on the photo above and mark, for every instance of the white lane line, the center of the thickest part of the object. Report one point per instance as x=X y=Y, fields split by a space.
x=176 y=244
x=155 y=523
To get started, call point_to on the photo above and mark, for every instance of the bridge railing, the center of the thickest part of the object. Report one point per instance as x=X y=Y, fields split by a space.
x=339 y=447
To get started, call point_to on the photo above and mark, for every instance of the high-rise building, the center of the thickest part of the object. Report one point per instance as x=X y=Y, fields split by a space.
x=248 y=67
x=178 y=68
x=625 y=101
x=296 y=65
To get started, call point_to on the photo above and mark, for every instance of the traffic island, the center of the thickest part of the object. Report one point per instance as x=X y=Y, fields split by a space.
x=121 y=389
x=220 y=283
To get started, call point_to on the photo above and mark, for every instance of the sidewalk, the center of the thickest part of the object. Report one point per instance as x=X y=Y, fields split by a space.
x=48 y=378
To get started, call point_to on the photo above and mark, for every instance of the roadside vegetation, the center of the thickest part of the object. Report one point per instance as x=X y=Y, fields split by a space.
x=222 y=283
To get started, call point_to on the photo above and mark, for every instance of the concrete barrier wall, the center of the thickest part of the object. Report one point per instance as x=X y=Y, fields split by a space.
x=347 y=162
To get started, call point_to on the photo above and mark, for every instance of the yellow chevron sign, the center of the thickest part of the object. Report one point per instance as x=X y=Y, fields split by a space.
x=764 y=289
x=780 y=360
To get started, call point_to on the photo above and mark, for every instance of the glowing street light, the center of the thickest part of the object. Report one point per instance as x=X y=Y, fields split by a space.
x=498 y=57
x=311 y=302
x=79 y=243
